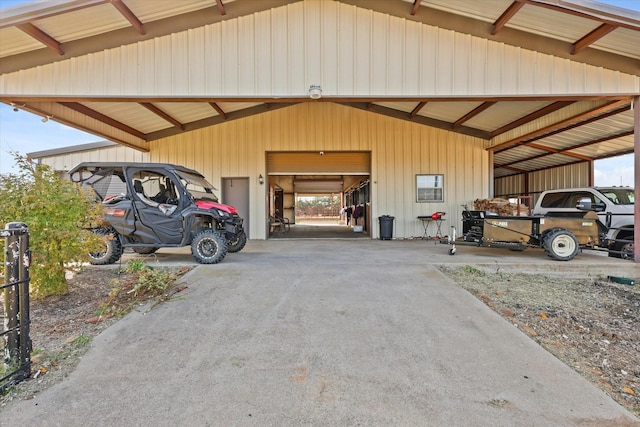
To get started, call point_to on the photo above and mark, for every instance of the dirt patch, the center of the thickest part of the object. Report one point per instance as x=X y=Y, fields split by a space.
x=592 y=325
x=62 y=327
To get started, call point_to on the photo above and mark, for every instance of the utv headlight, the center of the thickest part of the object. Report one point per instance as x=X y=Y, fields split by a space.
x=223 y=214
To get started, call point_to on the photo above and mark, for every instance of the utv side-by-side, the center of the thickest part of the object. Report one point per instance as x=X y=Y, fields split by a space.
x=158 y=205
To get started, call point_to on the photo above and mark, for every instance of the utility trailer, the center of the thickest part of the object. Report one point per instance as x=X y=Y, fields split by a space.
x=560 y=237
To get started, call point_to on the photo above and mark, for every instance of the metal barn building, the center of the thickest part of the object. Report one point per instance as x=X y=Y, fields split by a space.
x=407 y=107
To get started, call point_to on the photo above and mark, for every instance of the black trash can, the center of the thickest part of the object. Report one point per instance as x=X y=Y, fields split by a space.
x=386 y=227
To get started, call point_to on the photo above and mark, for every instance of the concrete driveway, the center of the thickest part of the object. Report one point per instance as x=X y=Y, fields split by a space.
x=328 y=332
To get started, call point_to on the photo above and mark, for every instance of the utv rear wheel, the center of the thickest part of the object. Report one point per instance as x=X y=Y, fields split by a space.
x=236 y=244
x=145 y=251
x=209 y=247
x=560 y=245
x=111 y=249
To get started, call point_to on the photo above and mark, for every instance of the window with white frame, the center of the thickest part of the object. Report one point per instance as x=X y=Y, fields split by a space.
x=430 y=188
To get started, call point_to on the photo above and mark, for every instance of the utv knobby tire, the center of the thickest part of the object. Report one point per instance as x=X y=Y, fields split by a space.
x=236 y=244
x=110 y=252
x=145 y=251
x=209 y=247
x=560 y=244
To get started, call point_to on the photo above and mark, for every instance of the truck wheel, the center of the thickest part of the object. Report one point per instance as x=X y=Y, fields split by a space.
x=145 y=251
x=236 y=244
x=560 y=245
x=111 y=250
x=209 y=247
x=626 y=251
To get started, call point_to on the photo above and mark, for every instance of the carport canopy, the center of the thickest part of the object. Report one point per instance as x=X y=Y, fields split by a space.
x=587 y=52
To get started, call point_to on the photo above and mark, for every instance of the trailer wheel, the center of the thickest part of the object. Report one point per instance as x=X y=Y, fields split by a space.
x=560 y=245
x=452 y=251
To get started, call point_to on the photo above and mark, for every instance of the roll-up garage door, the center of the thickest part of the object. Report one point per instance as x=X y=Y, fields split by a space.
x=319 y=163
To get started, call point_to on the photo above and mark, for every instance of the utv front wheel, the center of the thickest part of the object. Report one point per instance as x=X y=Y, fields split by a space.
x=237 y=243
x=110 y=249
x=209 y=247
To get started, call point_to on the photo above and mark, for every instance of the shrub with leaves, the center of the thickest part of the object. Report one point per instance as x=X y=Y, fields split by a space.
x=57 y=213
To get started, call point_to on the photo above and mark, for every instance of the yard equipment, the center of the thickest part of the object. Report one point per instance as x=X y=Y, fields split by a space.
x=560 y=237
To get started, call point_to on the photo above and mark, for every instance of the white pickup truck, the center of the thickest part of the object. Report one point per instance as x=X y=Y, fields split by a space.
x=614 y=206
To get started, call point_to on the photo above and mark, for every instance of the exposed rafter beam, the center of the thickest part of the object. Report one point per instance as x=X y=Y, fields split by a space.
x=579 y=124
x=558 y=7
x=129 y=15
x=42 y=37
x=506 y=16
x=216 y=120
x=567 y=151
x=543 y=168
x=560 y=126
x=603 y=139
x=555 y=106
x=221 y=7
x=219 y=110
x=564 y=151
x=440 y=124
x=41 y=112
x=616 y=154
x=512 y=168
x=83 y=109
x=416 y=110
x=479 y=109
x=50 y=9
x=416 y=6
x=158 y=112
x=592 y=37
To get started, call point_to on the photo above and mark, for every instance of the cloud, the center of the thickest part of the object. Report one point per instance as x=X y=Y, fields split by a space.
x=614 y=171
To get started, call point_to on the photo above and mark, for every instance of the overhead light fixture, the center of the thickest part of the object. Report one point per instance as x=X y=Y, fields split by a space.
x=45 y=119
x=16 y=107
x=315 y=92
x=260 y=180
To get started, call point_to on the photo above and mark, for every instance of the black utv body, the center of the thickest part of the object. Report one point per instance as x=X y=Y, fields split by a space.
x=159 y=205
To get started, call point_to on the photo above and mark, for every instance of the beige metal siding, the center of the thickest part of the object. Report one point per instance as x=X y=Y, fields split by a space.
x=576 y=175
x=561 y=177
x=319 y=163
x=65 y=162
x=399 y=150
x=347 y=49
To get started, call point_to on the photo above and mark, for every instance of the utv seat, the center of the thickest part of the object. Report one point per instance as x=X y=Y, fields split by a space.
x=137 y=187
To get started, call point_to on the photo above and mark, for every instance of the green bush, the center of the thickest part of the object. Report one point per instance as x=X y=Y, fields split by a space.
x=57 y=213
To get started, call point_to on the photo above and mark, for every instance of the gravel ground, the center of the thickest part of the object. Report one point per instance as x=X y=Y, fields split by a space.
x=591 y=325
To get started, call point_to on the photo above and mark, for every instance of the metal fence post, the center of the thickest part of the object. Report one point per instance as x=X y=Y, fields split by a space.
x=11 y=302
x=16 y=300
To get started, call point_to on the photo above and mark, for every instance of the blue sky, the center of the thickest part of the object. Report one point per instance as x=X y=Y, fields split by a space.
x=24 y=132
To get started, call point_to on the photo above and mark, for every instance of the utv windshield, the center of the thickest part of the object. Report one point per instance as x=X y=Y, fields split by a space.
x=619 y=196
x=198 y=187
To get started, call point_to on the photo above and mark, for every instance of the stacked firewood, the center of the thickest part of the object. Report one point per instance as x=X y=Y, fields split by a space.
x=498 y=206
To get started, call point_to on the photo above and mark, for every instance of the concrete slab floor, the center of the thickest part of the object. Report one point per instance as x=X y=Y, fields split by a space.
x=328 y=332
